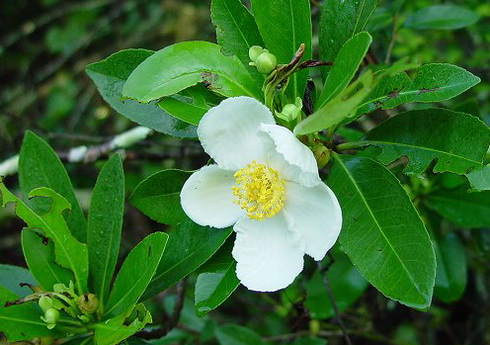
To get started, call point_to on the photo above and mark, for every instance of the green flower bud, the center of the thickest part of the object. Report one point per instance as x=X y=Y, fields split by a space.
x=88 y=303
x=45 y=303
x=254 y=52
x=322 y=155
x=290 y=112
x=266 y=62
x=51 y=316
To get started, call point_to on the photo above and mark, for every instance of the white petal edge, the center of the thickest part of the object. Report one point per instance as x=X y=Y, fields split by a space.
x=207 y=198
x=269 y=256
x=315 y=213
x=229 y=132
x=291 y=158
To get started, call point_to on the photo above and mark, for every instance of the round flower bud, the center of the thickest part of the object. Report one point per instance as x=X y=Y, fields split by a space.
x=322 y=155
x=254 y=52
x=45 y=303
x=266 y=62
x=51 y=316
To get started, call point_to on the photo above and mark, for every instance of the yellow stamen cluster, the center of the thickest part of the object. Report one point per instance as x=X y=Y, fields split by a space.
x=259 y=190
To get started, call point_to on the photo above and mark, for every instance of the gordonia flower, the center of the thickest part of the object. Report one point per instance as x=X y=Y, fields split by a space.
x=266 y=183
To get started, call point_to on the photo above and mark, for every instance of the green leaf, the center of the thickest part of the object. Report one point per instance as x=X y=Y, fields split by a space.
x=109 y=76
x=39 y=166
x=69 y=252
x=216 y=281
x=105 y=221
x=158 y=196
x=346 y=283
x=284 y=25
x=12 y=276
x=479 y=178
x=463 y=208
x=20 y=322
x=135 y=274
x=412 y=134
x=433 y=82
x=40 y=258
x=309 y=341
x=341 y=20
x=236 y=31
x=115 y=330
x=345 y=66
x=237 y=335
x=442 y=17
x=451 y=268
x=164 y=73
x=382 y=232
x=183 y=110
x=189 y=246
x=340 y=110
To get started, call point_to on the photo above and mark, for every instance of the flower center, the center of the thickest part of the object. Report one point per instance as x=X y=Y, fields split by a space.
x=259 y=190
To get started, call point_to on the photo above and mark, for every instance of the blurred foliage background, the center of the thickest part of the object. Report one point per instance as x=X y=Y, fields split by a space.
x=45 y=46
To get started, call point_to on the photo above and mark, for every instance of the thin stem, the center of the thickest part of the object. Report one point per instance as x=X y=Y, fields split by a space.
x=334 y=305
x=350 y=145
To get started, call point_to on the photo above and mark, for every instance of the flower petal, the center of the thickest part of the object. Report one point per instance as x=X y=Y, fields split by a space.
x=207 y=197
x=268 y=255
x=291 y=158
x=228 y=132
x=315 y=213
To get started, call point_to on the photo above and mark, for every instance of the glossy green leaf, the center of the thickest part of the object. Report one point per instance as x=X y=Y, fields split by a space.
x=442 y=17
x=433 y=82
x=284 y=25
x=341 y=20
x=12 y=276
x=135 y=274
x=479 y=178
x=346 y=283
x=463 y=208
x=40 y=258
x=109 y=75
x=39 y=166
x=69 y=252
x=189 y=246
x=105 y=221
x=340 y=110
x=20 y=322
x=115 y=330
x=183 y=110
x=237 y=335
x=345 y=66
x=236 y=31
x=163 y=73
x=216 y=281
x=451 y=268
x=422 y=136
x=382 y=232
x=158 y=196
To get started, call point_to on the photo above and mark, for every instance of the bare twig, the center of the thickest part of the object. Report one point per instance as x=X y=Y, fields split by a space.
x=392 y=40
x=334 y=305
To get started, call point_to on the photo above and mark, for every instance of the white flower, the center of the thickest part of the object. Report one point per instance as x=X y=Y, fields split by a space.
x=266 y=183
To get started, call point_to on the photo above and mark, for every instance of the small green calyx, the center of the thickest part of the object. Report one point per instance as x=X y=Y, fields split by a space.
x=88 y=303
x=51 y=316
x=266 y=63
x=254 y=52
x=322 y=155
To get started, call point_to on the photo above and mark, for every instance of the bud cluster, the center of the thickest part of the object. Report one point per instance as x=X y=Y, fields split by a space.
x=262 y=59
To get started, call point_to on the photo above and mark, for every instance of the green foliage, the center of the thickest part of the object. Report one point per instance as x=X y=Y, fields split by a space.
x=204 y=63
x=109 y=76
x=69 y=252
x=135 y=275
x=341 y=20
x=284 y=26
x=39 y=166
x=479 y=178
x=411 y=134
x=237 y=335
x=379 y=222
x=104 y=226
x=216 y=281
x=433 y=82
x=158 y=196
x=189 y=246
x=442 y=17
x=12 y=275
